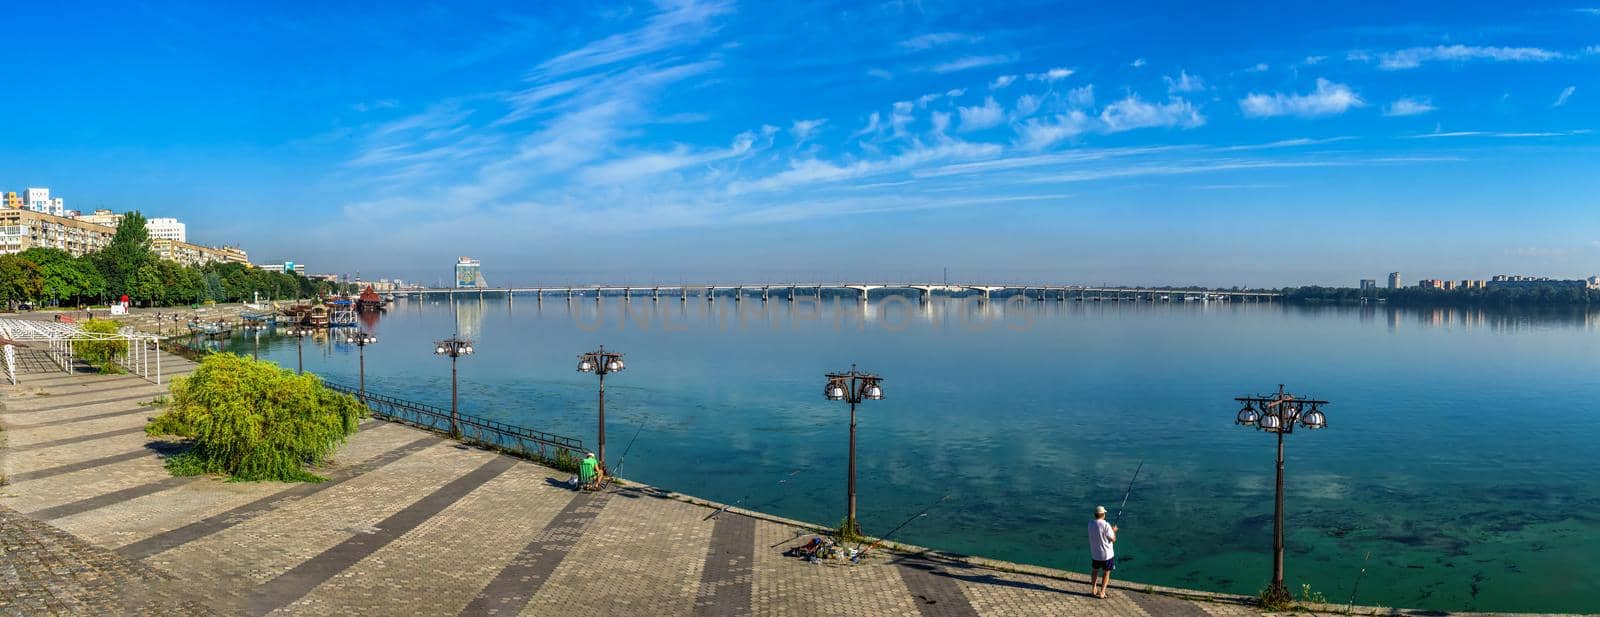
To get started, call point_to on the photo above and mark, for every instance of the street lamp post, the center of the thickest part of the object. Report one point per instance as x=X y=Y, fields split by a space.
x=454 y=347
x=254 y=327
x=602 y=363
x=361 y=340
x=299 y=333
x=1279 y=413
x=852 y=387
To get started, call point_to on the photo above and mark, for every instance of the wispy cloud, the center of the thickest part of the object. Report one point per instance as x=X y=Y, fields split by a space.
x=1135 y=113
x=880 y=74
x=1260 y=67
x=680 y=21
x=1589 y=11
x=971 y=62
x=1566 y=93
x=1002 y=81
x=1329 y=98
x=1041 y=133
x=980 y=117
x=1415 y=56
x=1137 y=63
x=1409 y=106
x=1315 y=60
x=802 y=130
x=937 y=39
x=1501 y=134
x=1184 y=82
x=1082 y=96
x=1054 y=74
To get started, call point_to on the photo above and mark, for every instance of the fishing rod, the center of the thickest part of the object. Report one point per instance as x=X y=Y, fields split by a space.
x=624 y=459
x=741 y=499
x=902 y=525
x=1118 y=519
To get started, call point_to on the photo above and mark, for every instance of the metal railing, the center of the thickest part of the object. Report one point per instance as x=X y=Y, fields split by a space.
x=548 y=448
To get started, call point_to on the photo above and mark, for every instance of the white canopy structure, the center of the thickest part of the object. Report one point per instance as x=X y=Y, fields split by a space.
x=143 y=357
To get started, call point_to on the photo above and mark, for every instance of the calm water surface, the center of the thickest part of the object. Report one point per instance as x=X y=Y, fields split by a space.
x=1458 y=468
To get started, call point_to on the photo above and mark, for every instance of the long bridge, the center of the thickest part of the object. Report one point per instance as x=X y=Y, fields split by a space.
x=790 y=291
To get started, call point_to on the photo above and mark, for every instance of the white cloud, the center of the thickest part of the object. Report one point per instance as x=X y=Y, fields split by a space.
x=900 y=117
x=1258 y=68
x=1315 y=60
x=874 y=125
x=1081 y=96
x=1137 y=62
x=940 y=121
x=1054 y=74
x=1501 y=134
x=1184 y=82
x=1414 y=57
x=1328 y=99
x=1002 y=81
x=980 y=117
x=1026 y=105
x=1040 y=133
x=1592 y=50
x=1409 y=106
x=1588 y=11
x=970 y=62
x=936 y=39
x=1134 y=113
x=682 y=22
x=802 y=130
x=880 y=74
x=1565 y=94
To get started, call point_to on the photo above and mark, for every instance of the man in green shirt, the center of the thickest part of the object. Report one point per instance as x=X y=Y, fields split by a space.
x=588 y=471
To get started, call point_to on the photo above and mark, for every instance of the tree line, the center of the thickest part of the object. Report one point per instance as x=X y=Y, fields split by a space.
x=127 y=266
x=1523 y=295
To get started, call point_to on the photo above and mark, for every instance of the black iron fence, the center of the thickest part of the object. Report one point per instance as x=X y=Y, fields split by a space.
x=545 y=448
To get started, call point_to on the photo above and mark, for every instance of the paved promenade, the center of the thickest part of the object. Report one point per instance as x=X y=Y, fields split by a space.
x=413 y=524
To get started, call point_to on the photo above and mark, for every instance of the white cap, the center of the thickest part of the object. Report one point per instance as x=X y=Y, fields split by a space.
x=1099 y=509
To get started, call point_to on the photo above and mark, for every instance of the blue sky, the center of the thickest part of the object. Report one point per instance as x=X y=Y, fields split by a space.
x=1160 y=143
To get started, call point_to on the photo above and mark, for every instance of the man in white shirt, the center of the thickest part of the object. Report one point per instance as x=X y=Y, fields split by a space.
x=1104 y=559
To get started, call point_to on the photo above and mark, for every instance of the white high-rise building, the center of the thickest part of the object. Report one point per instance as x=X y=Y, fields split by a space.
x=38 y=200
x=166 y=229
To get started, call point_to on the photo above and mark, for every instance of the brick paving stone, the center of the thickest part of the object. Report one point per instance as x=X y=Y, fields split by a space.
x=726 y=578
x=145 y=527
x=640 y=555
x=526 y=573
x=462 y=548
x=234 y=561
x=45 y=571
x=306 y=575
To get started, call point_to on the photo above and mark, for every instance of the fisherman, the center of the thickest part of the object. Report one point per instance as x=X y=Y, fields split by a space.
x=1103 y=558
x=588 y=471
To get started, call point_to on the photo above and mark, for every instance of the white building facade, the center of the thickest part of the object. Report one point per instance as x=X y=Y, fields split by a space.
x=38 y=200
x=166 y=229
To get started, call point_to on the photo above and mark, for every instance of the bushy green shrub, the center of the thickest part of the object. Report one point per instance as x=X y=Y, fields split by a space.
x=251 y=420
x=101 y=354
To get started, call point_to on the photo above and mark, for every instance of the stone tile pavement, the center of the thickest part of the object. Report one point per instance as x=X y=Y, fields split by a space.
x=413 y=524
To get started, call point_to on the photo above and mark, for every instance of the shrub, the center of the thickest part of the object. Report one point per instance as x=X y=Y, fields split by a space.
x=101 y=354
x=251 y=420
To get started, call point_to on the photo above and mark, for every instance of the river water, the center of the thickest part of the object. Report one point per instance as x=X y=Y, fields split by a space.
x=1458 y=469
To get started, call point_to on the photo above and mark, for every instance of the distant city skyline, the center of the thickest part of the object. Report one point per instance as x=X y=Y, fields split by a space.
x=1158 y=144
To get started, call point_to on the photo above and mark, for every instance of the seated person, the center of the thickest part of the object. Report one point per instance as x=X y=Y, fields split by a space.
x=590 y=473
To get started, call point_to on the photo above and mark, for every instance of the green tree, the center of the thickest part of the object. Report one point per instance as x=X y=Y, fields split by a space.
x=146 y=286
x=20 y=280
x=128 y=251
x=253 y=420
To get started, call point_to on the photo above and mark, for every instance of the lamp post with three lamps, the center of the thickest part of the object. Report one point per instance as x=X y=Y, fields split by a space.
x=455 y=347
x=602 y=363
x=1279 y=413
x=852 y=387
x=254 y=327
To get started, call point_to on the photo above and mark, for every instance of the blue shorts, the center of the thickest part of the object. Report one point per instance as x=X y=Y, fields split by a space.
x=1107 y=565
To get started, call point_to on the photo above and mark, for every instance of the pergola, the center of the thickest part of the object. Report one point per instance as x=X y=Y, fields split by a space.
x=143 y=357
